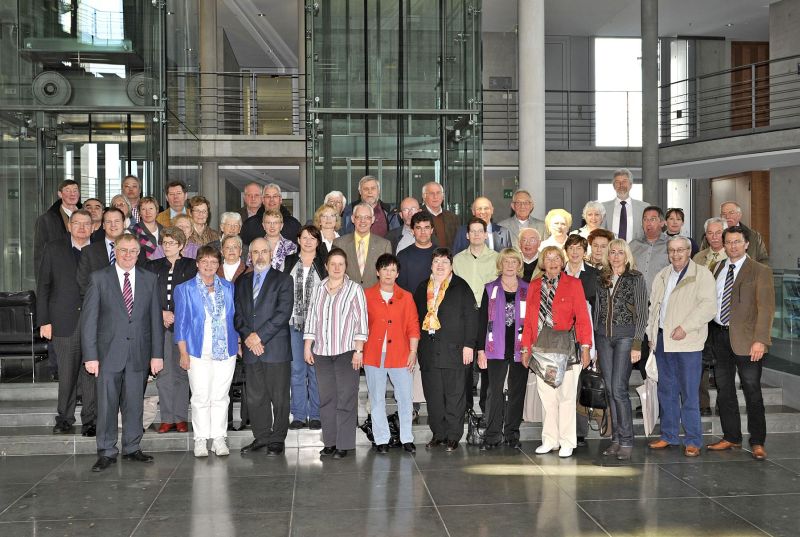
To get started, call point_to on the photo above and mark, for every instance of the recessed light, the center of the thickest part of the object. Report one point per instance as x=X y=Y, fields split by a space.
x=260 y=14
x=729 y=25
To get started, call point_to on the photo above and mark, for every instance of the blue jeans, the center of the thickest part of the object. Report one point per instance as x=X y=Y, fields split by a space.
x=305 y=393
x=615 y=364
x=402 y=380
x=679 y=394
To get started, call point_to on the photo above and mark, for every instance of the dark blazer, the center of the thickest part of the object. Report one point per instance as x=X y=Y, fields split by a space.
x=185 y=269
x=108 y=335
x=58 y=298
x=49 y=227
x=588 y=278
x=458 y=315
x=94 y=257
x=252 y=228
x=377 y=246
x=268 y=317
x=318 y=263
x=450 y=221
x=502 y=238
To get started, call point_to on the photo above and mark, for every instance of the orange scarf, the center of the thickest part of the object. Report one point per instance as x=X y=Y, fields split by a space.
x=431 y=322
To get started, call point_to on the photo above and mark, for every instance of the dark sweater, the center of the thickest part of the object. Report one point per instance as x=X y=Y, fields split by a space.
x=415 y=266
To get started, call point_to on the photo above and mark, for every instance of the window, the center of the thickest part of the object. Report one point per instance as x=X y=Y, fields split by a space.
x=618 y=92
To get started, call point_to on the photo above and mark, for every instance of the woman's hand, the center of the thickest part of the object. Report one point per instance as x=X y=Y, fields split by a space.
x=185 y=361
x=525 y=357
x=482 y=359
x=308 y=356
x=169 y=318
x=466 y=355
x=412 y=361
x=585 y=357
x=635 y=356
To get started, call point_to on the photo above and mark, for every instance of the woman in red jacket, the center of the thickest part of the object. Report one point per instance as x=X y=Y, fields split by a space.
x=557 y=300
x=391 y=349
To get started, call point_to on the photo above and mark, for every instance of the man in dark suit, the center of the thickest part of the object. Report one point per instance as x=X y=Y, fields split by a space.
x=122 y=338
x=272 y=199
x=445 y=223
x=58 y=309
x=497 y=237
x=52 y=224
x=264 y=300
x=740 y=335
x=101 y=254
x=362 y=247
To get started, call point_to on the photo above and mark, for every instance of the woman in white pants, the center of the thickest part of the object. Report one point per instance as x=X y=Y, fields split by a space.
x=208 y=344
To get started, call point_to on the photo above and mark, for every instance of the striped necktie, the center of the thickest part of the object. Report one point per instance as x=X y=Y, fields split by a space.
x=257 y=281
x=112 y=257
x=546 y=305
x=127 y=294
x=725 y=310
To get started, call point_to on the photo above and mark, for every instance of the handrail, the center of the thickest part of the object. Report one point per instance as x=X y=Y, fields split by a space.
x=733 y=69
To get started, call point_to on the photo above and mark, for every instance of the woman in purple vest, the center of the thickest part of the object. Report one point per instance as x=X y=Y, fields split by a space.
x=500 y=322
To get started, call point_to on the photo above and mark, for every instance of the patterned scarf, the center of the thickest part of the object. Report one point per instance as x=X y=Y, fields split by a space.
x=302 y=294
x=431 y=322
x=285 y=247
x=215 y=309
x=546 y=301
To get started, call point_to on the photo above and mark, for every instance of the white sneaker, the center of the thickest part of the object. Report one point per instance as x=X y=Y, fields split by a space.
x=565 y=452
x=200 y=447
x=545 y=448
x=220 y=447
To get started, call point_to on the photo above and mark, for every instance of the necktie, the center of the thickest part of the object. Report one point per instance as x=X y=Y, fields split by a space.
x=712 y=261
x=127 y=294
x=112 y=257
x=257 y=281
x=623 y=221
x=546 y=306
x=361 y=254
x=725 y=310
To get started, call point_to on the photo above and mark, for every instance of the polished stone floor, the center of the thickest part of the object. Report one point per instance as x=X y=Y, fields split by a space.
x=502 y=492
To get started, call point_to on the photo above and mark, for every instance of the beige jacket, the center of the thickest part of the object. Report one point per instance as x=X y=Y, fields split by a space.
x=692 y=304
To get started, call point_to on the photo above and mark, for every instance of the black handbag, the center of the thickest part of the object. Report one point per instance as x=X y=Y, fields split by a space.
x=474 y=429
x=592 y=389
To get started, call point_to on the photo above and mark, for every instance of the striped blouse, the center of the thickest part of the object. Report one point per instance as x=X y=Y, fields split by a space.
x=333 y=323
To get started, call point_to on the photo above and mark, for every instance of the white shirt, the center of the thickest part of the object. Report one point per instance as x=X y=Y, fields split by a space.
x=434 y=213
x=230 y=270
x=387 y=296
x=131 y=278
x=78 y=246
x=406 y=239
x=672 y=282
x=489 y=236
x=723 y=274
x=615 y=220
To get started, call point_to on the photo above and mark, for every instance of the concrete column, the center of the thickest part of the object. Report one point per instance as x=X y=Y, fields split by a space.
x=209 y=62
x=531 y=100
x=213 y=188
x=301 y=92
x=650 y=101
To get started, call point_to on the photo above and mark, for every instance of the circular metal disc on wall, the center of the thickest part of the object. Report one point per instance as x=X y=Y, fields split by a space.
x=139 y=89
x=51 y=88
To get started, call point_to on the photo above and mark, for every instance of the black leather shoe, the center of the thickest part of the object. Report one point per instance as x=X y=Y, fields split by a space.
x=89 y=431
x=327 y=451
x=581 y=441
x=138 y=456
x=409 y=447
x=62 y=428
x=382 y=448
x=340 y=454
x=451 y=445
x=297 y=424
x=488 y=446
x=435 y=442
x=705 y=411
x=103 y=463
x=255 y=445
x=514 y=443
x=273 y=450
x=315 y=425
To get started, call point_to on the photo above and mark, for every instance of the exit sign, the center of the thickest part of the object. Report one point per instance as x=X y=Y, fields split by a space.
x=508 y=193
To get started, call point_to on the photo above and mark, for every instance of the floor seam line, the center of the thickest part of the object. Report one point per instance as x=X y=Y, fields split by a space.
x=294 y=490
x=33 y=486
x=430 y=495
x=149 y=507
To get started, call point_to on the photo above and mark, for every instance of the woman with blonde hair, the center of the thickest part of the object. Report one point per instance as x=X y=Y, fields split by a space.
x=558 y=222
x=328 y=220
x=620 y=320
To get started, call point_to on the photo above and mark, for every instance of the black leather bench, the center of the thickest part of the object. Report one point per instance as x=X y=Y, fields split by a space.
x=19 y=338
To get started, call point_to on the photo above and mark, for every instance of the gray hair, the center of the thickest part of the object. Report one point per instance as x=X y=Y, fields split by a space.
x=738 y=207
x=272 y=185
x=236 y=238
x=525 y=230
x=224 y=218
x=687 y=243
x=623 y=171
x=425 y=187
x=715 y=220
x=332 y=193
x=364 y=205
x=367 y=179
x=596 y=205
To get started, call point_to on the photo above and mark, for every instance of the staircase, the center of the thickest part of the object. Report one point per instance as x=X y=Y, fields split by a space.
x=27 y=416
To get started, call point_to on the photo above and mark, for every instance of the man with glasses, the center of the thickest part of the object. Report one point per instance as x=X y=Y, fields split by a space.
x=122 y=340
x=445 y=223
x=497 y=237
x=740 y=335
x=363 y=247
x=522 y=206
x=384 y=217
x=403 y=236
x=272 y=199
x=731 y=212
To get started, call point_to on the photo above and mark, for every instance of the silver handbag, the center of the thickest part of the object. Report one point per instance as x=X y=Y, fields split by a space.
x=554 y=351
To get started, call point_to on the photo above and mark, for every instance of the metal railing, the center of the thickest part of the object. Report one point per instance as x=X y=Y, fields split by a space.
x=237 y=103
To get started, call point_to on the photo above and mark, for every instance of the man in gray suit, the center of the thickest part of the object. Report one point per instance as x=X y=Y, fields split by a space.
x=522 y=204
x=363 y=247
x=497 y=236
x=122 y=338
x=624 y=214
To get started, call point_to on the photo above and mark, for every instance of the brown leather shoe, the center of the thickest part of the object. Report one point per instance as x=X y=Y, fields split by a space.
x=691 y=451
x=659 y=444
x=722 y=445
x=758 y=452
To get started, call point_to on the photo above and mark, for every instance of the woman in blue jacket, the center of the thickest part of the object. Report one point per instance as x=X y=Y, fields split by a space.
x=208 y=344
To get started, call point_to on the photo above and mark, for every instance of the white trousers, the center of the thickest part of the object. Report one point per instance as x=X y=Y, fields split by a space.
x=558 y=409
x=210 y=381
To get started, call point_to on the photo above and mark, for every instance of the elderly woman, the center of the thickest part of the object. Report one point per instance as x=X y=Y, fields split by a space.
x=329 y=222
x=335 y=332
x=307 y=268
x=448 y=322
x=121 y=202
x=230 y=224
x=391 y=350
x=500 y=321
x=184 y=223
x=558 y=222
x=172 y=382
x=200 y=212
x=556 y=302
x=278 y=244
x=147 y=231
x=232 y=264
x=593 y=214
x=208 y=344
x=335 y=199
x=598 y=246
x=675 y=219
x=620 y=320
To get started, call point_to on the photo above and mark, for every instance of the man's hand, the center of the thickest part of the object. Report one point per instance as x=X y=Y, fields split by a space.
x=46 y=331
x=169 y=318
x=466 y=355
x=757 y=350
x=93 y=367
x=482 y=359
x=156 y=365
x=678 y=334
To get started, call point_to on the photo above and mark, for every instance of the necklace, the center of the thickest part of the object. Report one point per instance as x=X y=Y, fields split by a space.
x=510 y=288
x=334 y=289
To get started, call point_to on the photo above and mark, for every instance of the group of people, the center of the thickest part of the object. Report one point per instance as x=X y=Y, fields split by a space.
x=405 y=293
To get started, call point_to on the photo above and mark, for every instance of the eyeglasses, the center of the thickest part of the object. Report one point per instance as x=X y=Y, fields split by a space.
x=126 y=251
x=409 y=210
x=676 y=250
x=522 y=203
x=363 y=217
x=736 y=242
x=170 y=243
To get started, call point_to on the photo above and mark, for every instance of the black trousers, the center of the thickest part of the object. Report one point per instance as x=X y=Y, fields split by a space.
x=119 y=391
x=444 y=395
x=71 y=376
x=641 y=364
x=268 y=400
x=471 y=382
x=503 y=417
x=728 y=363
